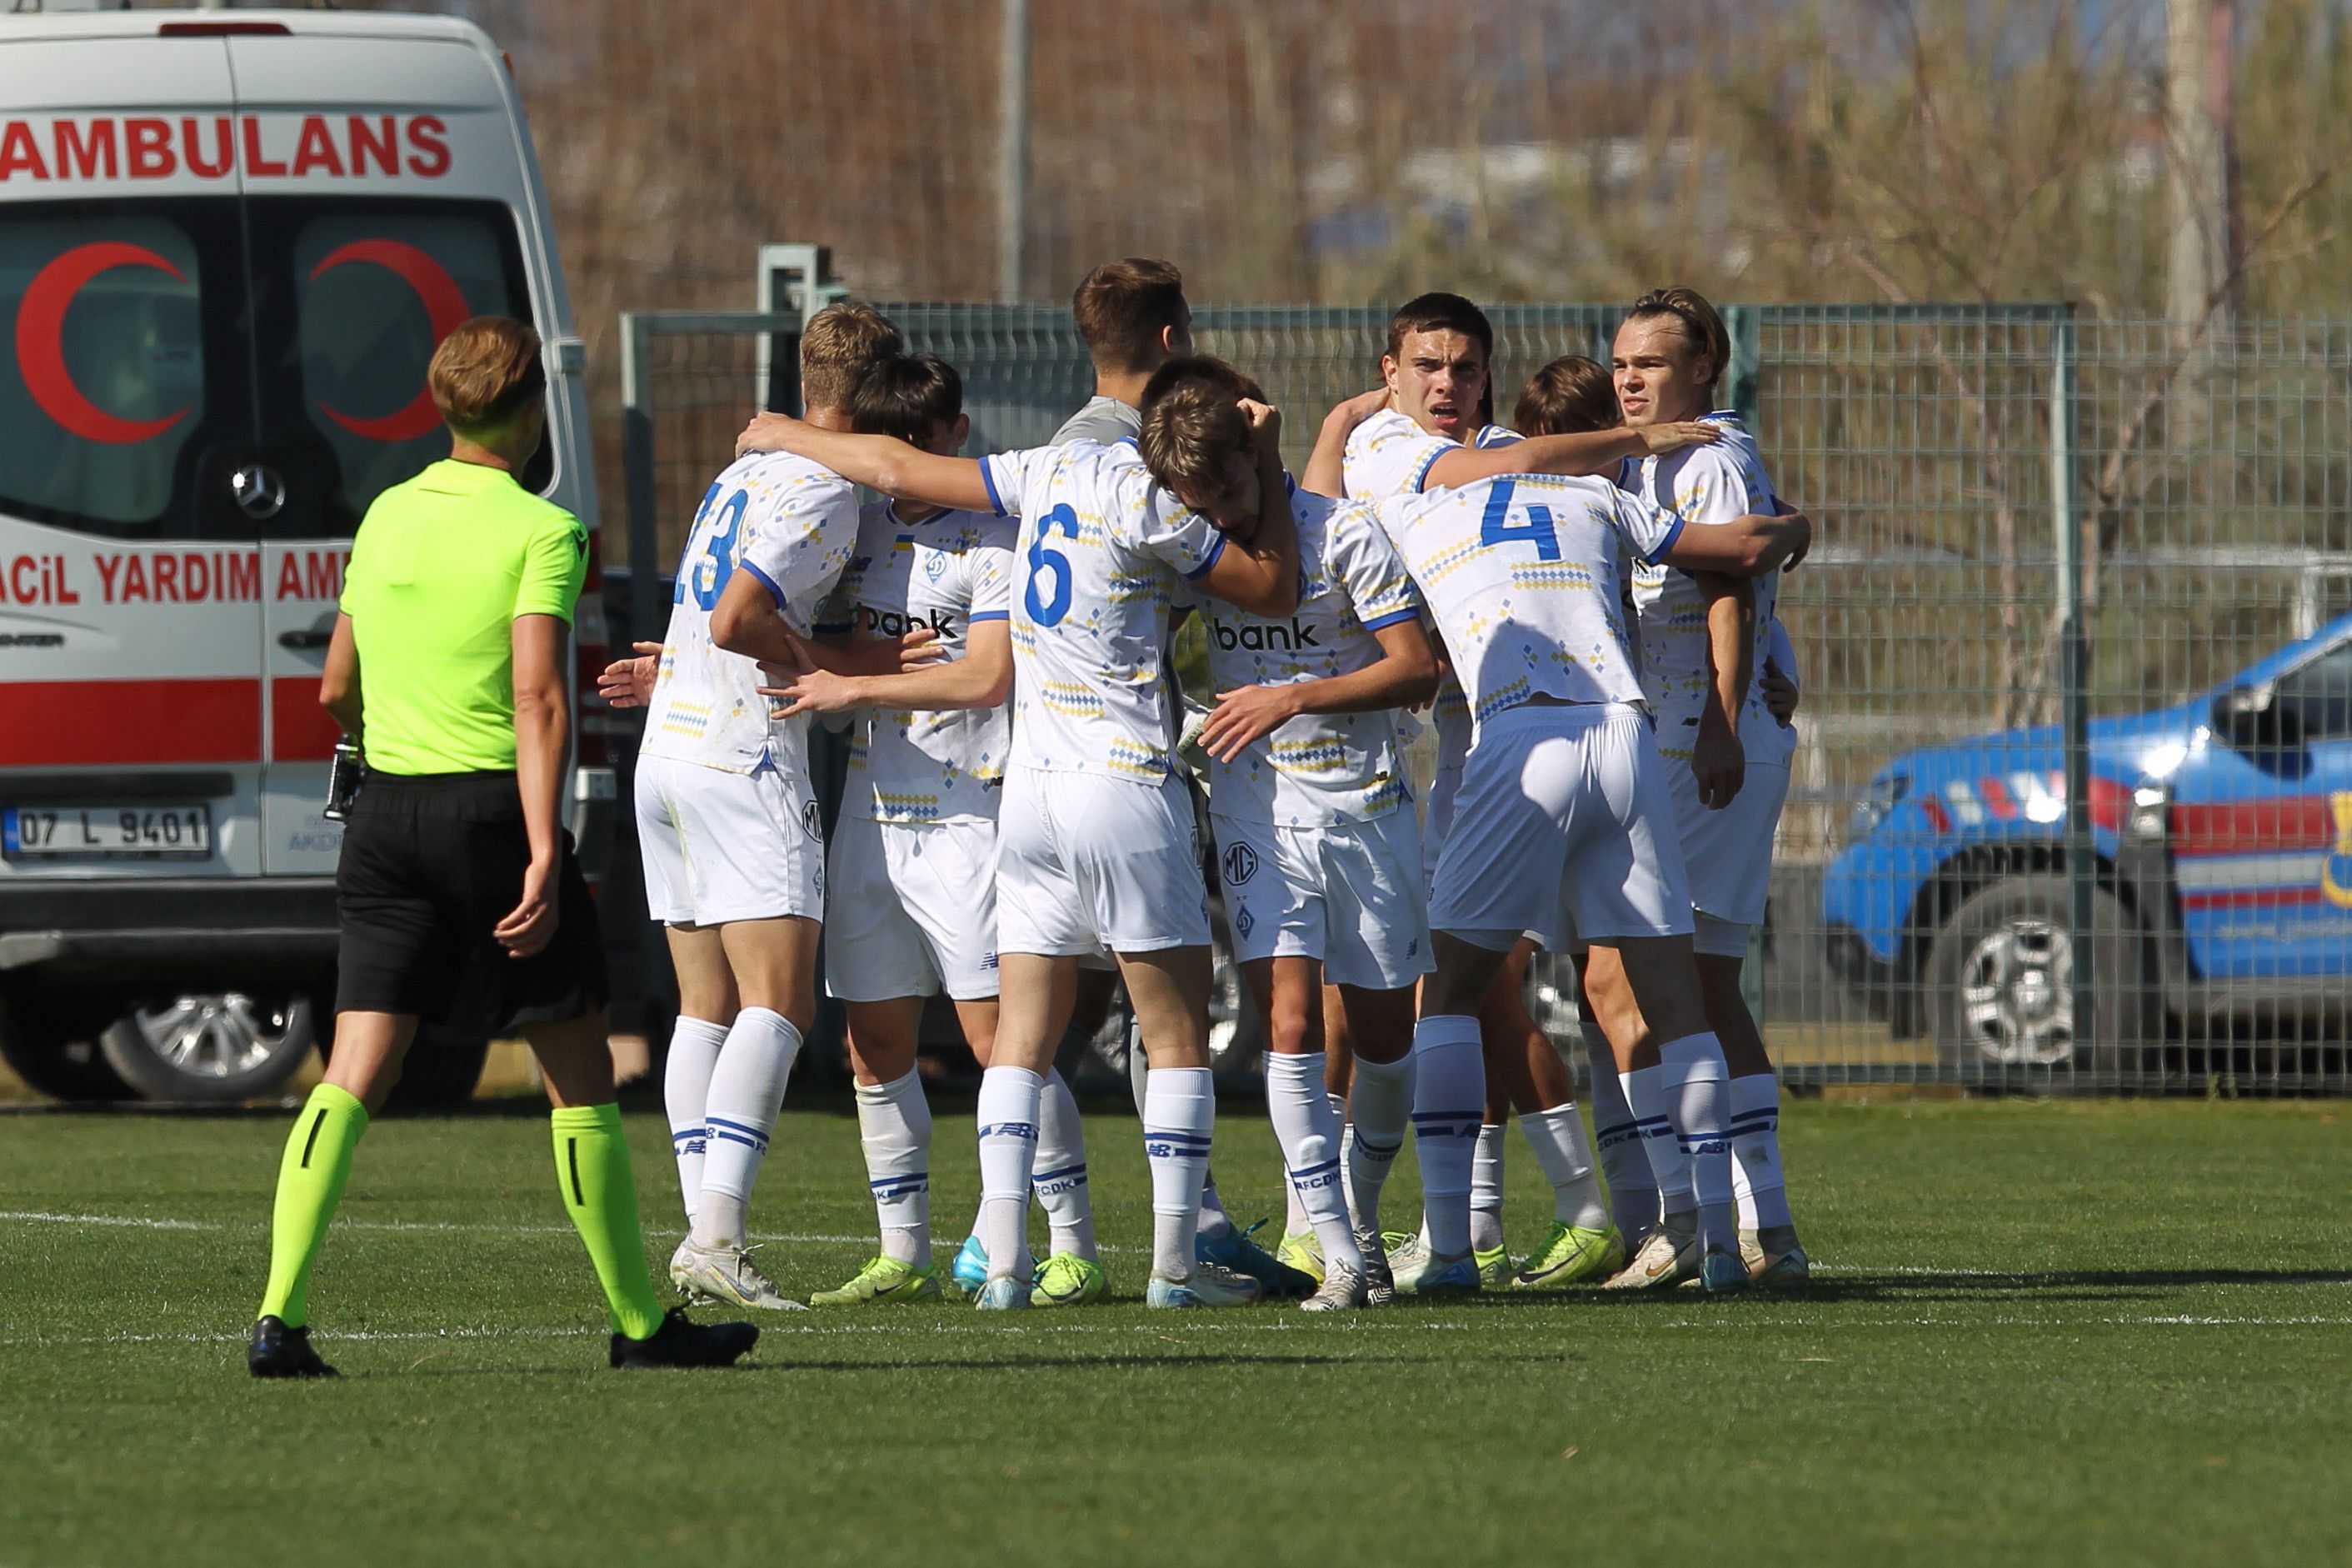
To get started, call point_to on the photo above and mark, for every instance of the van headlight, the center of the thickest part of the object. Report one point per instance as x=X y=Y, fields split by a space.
x=1884 y=795
x=2148 y=806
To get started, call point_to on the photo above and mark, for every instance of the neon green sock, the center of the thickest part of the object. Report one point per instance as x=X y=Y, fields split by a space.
x=591 y=1167
x=309 y=1184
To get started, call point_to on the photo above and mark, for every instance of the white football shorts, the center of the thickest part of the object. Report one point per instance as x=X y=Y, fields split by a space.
x=1563 y=815
x=912 y=910
x=1348 y=895
x=1085 y=864
x=720 y=846
x=1444 y=786
x=1727 y=854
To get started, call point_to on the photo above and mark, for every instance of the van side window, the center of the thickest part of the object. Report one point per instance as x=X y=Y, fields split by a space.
x=104 y=380
x=2321 y=693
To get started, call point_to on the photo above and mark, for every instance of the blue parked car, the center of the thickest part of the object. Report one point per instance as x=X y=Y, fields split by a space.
x=2223 y=831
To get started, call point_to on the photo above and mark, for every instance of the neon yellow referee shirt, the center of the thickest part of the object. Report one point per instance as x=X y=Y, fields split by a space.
x=440 y=569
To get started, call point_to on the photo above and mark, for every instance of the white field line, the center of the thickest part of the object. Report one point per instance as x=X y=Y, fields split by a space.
x=1223 y=1327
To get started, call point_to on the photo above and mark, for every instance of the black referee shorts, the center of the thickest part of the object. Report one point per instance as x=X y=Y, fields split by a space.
x=431 y=864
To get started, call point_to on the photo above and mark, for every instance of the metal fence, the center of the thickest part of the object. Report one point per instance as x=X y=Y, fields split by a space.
x=2059 y=560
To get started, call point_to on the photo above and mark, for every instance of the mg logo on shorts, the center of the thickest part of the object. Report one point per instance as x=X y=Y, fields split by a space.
x=813 y=821
x=1240 y=864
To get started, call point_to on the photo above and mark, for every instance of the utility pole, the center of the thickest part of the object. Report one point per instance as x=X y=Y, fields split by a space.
x=1012 y=146
x=2203 y=167
x=2202 y=246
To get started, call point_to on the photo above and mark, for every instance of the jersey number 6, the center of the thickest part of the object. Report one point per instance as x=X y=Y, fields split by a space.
x=1048 y=610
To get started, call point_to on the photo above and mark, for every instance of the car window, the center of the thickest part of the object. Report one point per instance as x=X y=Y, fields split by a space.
x=2321 y=693
x=373 y=285
x=106 y=391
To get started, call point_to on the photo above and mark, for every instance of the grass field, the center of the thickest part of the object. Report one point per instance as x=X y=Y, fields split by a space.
x=2044 y=1331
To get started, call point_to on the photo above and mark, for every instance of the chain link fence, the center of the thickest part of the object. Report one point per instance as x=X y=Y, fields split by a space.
x=2139 y=603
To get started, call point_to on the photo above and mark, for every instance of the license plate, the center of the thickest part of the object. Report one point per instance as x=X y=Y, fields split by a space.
x=106 y=832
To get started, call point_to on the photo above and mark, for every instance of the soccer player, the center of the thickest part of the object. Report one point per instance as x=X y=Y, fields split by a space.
x=1316 y=838
x=1418 y=432
x=1705 y=642
x=1560 y=811
x=912 y=904
x=456 y=877
x=1133 y=318
x=727 y=815
x=1096 y=840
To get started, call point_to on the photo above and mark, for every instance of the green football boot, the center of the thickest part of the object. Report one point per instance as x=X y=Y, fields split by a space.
x=1494 y=1267
x=1572 y=1254
x=1302 y=1250
x=882 y=1280
x=1066 y=1280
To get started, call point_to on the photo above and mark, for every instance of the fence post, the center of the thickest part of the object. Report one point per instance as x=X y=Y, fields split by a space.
x=638 y=466
x=1740 y=388
x=2074 y=677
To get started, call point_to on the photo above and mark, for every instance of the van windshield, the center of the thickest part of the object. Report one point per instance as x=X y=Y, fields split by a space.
x=159 y=346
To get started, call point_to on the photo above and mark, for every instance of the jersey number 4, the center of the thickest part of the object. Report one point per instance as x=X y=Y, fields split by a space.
x=1047 y=609
x=1497 y=526
x=705 y=578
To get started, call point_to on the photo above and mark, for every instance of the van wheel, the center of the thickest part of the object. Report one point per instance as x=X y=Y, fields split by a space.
x=216 y=1047
x=440 y=1072
x=52 y=1045
x=2000 y=981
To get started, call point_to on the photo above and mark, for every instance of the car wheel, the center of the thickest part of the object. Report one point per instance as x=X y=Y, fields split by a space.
x=51 y=1043
x=440 y=1072
x=216 y=1047
x=2000 y=981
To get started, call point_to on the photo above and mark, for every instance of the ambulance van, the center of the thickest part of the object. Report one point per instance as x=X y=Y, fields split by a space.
x=229 y=241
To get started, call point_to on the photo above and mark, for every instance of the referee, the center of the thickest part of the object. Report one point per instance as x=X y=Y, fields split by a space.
x=457 y=891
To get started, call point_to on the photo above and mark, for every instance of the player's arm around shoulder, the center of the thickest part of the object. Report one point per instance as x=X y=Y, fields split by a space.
x=883 y=463
x=1583 y=453
x=1747 y=546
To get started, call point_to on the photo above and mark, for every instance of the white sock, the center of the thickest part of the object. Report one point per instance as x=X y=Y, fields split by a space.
x=1693 y=1073
x=1180 y=1116
x=1294 y=1212
x=1556 y=1136
x=894 y=1125
x=1310 y=1136
x=1215 y=1221
x=747 y=1090
x=1060 y=1172
x=1617 y=1139
x=1756 y=1178
x=1486 y=1190
x=685 y=1091
x=1449 y=1104
x=1008 y=1152
x=1380 y=1110
x=1653 y=1120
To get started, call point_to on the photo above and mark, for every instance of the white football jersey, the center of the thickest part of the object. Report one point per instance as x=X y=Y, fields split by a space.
x=789 y=523
x=1100 y=547
x=1521 y=571
x=946 y=572
x=1703 y=486
x=1389 y=454
x=1320 y=768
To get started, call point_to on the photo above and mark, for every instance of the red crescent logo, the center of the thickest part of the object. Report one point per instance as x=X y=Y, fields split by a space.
x=445 y=307
x=40 y=342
